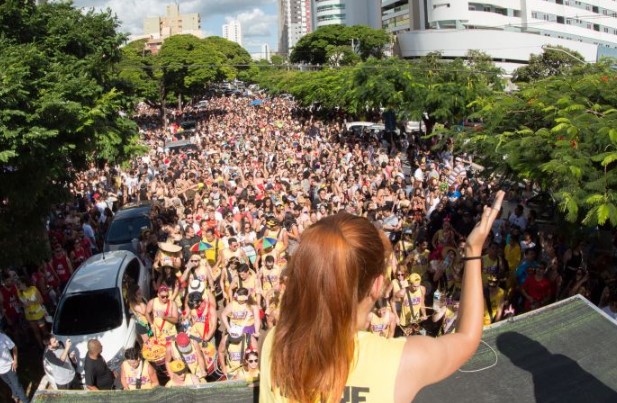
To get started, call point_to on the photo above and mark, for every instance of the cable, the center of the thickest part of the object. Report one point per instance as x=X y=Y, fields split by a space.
x=471 y=371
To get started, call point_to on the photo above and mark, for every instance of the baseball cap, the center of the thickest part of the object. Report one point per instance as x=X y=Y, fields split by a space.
x=183 y=342
x=415 y=279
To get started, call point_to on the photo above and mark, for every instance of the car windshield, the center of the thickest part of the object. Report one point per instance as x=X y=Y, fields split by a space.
x=89 y=312
x=126 y=229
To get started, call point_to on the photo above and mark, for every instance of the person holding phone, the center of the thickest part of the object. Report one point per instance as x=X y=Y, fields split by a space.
x=334 y=278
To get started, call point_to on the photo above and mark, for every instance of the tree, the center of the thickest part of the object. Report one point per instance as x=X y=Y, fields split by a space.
x=236 y=58
x=59 y=112
x=189 y=64
x=277 y=60
x=447 y=89
x=554 y=61
x=184 y=67
x=313 y=48
x=139 y=73
x=560 y=133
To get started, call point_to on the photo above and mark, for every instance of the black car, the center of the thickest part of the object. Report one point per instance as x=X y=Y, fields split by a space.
x=126 y=227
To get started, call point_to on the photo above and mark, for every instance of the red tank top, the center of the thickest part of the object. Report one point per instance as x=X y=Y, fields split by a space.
x=10 y=301
x=61 y=265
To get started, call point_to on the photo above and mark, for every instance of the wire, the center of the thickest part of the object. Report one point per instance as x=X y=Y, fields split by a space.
x=471 y=371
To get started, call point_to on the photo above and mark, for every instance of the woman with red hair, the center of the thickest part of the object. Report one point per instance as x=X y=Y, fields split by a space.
x=318 y=350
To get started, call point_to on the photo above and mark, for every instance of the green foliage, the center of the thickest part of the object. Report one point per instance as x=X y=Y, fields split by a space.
x=58 y=112
x=184 y=66
x=445 y=90
x=554 y=61
x=314 y=47
x=277 y=60
x=560 y=133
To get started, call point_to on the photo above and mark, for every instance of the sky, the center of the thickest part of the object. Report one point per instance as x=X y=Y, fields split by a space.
x=259 y=18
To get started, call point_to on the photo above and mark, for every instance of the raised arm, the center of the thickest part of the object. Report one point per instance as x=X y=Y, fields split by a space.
x=426 y=360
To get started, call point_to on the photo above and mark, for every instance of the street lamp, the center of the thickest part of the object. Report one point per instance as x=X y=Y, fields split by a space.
x=546 y=47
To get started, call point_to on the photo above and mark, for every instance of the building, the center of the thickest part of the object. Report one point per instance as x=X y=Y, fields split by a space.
x=266 y=53
x=232 y=31
x=346 y=12
x=173 y=23
x=507 y=30
x=294 y=22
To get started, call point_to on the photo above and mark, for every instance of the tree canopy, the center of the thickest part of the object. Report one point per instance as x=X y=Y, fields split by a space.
x=59 y=111
x=318 y=46
x=183 y=67
x=560 y=132
x=430 y=88
x=553 y=61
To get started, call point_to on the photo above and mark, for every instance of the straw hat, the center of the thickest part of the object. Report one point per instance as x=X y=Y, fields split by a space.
x=169 y=247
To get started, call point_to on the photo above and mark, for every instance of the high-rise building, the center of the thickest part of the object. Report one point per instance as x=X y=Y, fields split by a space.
x=346 y=12
x=266 y=53
x=294 y=22
x=232 y=31
x=173 y=23
x=508 y=31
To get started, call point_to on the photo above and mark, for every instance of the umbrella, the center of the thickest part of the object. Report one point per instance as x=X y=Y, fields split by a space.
x=200 y=247
x=265 y=243
x=256 y=102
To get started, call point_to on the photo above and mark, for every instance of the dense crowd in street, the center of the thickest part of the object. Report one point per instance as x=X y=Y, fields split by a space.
x=227 y=215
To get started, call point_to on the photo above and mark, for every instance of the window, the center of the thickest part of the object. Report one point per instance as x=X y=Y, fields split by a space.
x=127 y=229
x=132 y=271
x=75 y=317
x=596 y=27
x=560 y=19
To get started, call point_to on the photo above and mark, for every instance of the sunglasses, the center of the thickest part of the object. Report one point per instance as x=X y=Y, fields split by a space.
x=252 y=361
x=400 y=275
x=194 y=260
x=163 y=296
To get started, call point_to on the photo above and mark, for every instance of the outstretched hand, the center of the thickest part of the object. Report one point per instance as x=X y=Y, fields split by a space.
x=478 y=235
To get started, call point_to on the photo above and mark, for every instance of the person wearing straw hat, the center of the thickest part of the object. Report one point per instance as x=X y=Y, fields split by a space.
x=169 y=254
x=179 y=376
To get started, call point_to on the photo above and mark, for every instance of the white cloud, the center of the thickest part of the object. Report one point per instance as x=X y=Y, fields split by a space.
x=256 y=23
x=131 y=13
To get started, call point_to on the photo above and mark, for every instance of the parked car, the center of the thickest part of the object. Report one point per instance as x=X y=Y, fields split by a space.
x=93 y=306
x=126 y=227
x=185 y=145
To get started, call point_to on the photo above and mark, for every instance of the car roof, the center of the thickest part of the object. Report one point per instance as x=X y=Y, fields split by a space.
x=133 y=211
x=100 y=272
x=349 y=125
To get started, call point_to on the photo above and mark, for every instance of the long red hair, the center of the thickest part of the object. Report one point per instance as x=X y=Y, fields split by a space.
x=333 y=269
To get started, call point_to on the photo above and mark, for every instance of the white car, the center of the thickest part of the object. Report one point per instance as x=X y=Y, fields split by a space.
x=93 y=306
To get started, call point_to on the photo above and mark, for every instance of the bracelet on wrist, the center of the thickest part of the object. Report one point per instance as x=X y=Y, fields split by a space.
x=472 y=257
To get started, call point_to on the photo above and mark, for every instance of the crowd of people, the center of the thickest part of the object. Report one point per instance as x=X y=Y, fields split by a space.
x=229 y=211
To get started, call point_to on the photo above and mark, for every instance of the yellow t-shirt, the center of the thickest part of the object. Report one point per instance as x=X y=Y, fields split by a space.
x=34 y=311
x=216 y=248
x=132 y=374
x=372 y=376
x=496 y=301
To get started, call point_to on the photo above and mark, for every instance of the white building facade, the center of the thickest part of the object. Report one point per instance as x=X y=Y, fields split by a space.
x=232 y=31
x=346 y=12
x=508 y=30
x=294 y=22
